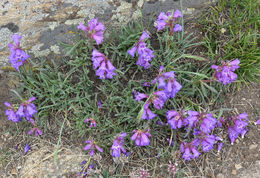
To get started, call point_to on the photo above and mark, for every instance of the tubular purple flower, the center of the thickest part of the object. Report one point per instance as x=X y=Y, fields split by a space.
x=27 y=109
x=177 y=14
x=147 y=113
x=221 y=122
x=168 y=83
x=225 y=72
x=118 y=145
x=257 y=122
x=140 y=96
x=26 y=149
x=141 y=137
x=146 y=84
x=177 y=28
x=158 y=99
x=81 y=26
x=176 y=119
x=11 y=113
x=220 y=145
x=144 y=36
x=95 y=30
x=189 y=150
x=161 y=21
x=207 y=141
x=17 y=57
x=91 y=145
x=132 y=51
x=105 y=67
x=145 y=54
x=168 y=19
x=237 y=125
x=36 y=130
x=206 y=122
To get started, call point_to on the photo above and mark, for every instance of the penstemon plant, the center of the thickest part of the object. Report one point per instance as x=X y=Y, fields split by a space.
x=121 y=104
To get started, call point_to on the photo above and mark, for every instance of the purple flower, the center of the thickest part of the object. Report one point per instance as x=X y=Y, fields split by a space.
x=145 y=54
x=207 y=141
x=177 y=28
x=36 y=130
x=161 y=123
x=27 y=109
x=168 y=83
x=176 y=119
x=105 y=67
x=141 y=137
x=132 y=51
x=237 y=126
x=147 y=113
x=118 y=145
x=220 y=145
x=84 y=169
x=11 y=113
x=139 y=96
x=26 y=149
x=146 y=84
x=162 y=21
x=99 y=104
x=225 y=72
x=206 y=122
x=168 y=19
x=95 y=30
x=177 y=14
x=258 y=122
x=92 y=122
x=189 y=150
x=158 y=99
x=91 y=145
x=221 y=122
x=17 y=57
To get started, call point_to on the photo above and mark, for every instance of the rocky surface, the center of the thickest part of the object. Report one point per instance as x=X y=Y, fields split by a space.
x=44 y=23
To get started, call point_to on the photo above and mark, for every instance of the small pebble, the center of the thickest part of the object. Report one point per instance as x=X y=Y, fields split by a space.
x=252 y=147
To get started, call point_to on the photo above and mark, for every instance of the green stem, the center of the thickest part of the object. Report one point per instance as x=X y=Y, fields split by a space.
x=58 y=143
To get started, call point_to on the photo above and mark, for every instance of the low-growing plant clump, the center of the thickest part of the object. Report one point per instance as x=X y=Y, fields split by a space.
x=130 y=90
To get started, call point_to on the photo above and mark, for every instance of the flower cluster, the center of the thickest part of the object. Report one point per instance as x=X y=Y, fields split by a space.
x=225 y=72
x=167 y=82
x=167 y=19
x=202 y=125
x=145 y=54
x=17 y=57
x=95 y=30
x=105 y=67
x=26 y=110
x=236 y=126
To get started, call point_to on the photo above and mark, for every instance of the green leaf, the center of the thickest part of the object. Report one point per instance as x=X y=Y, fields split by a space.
x=194 y=57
